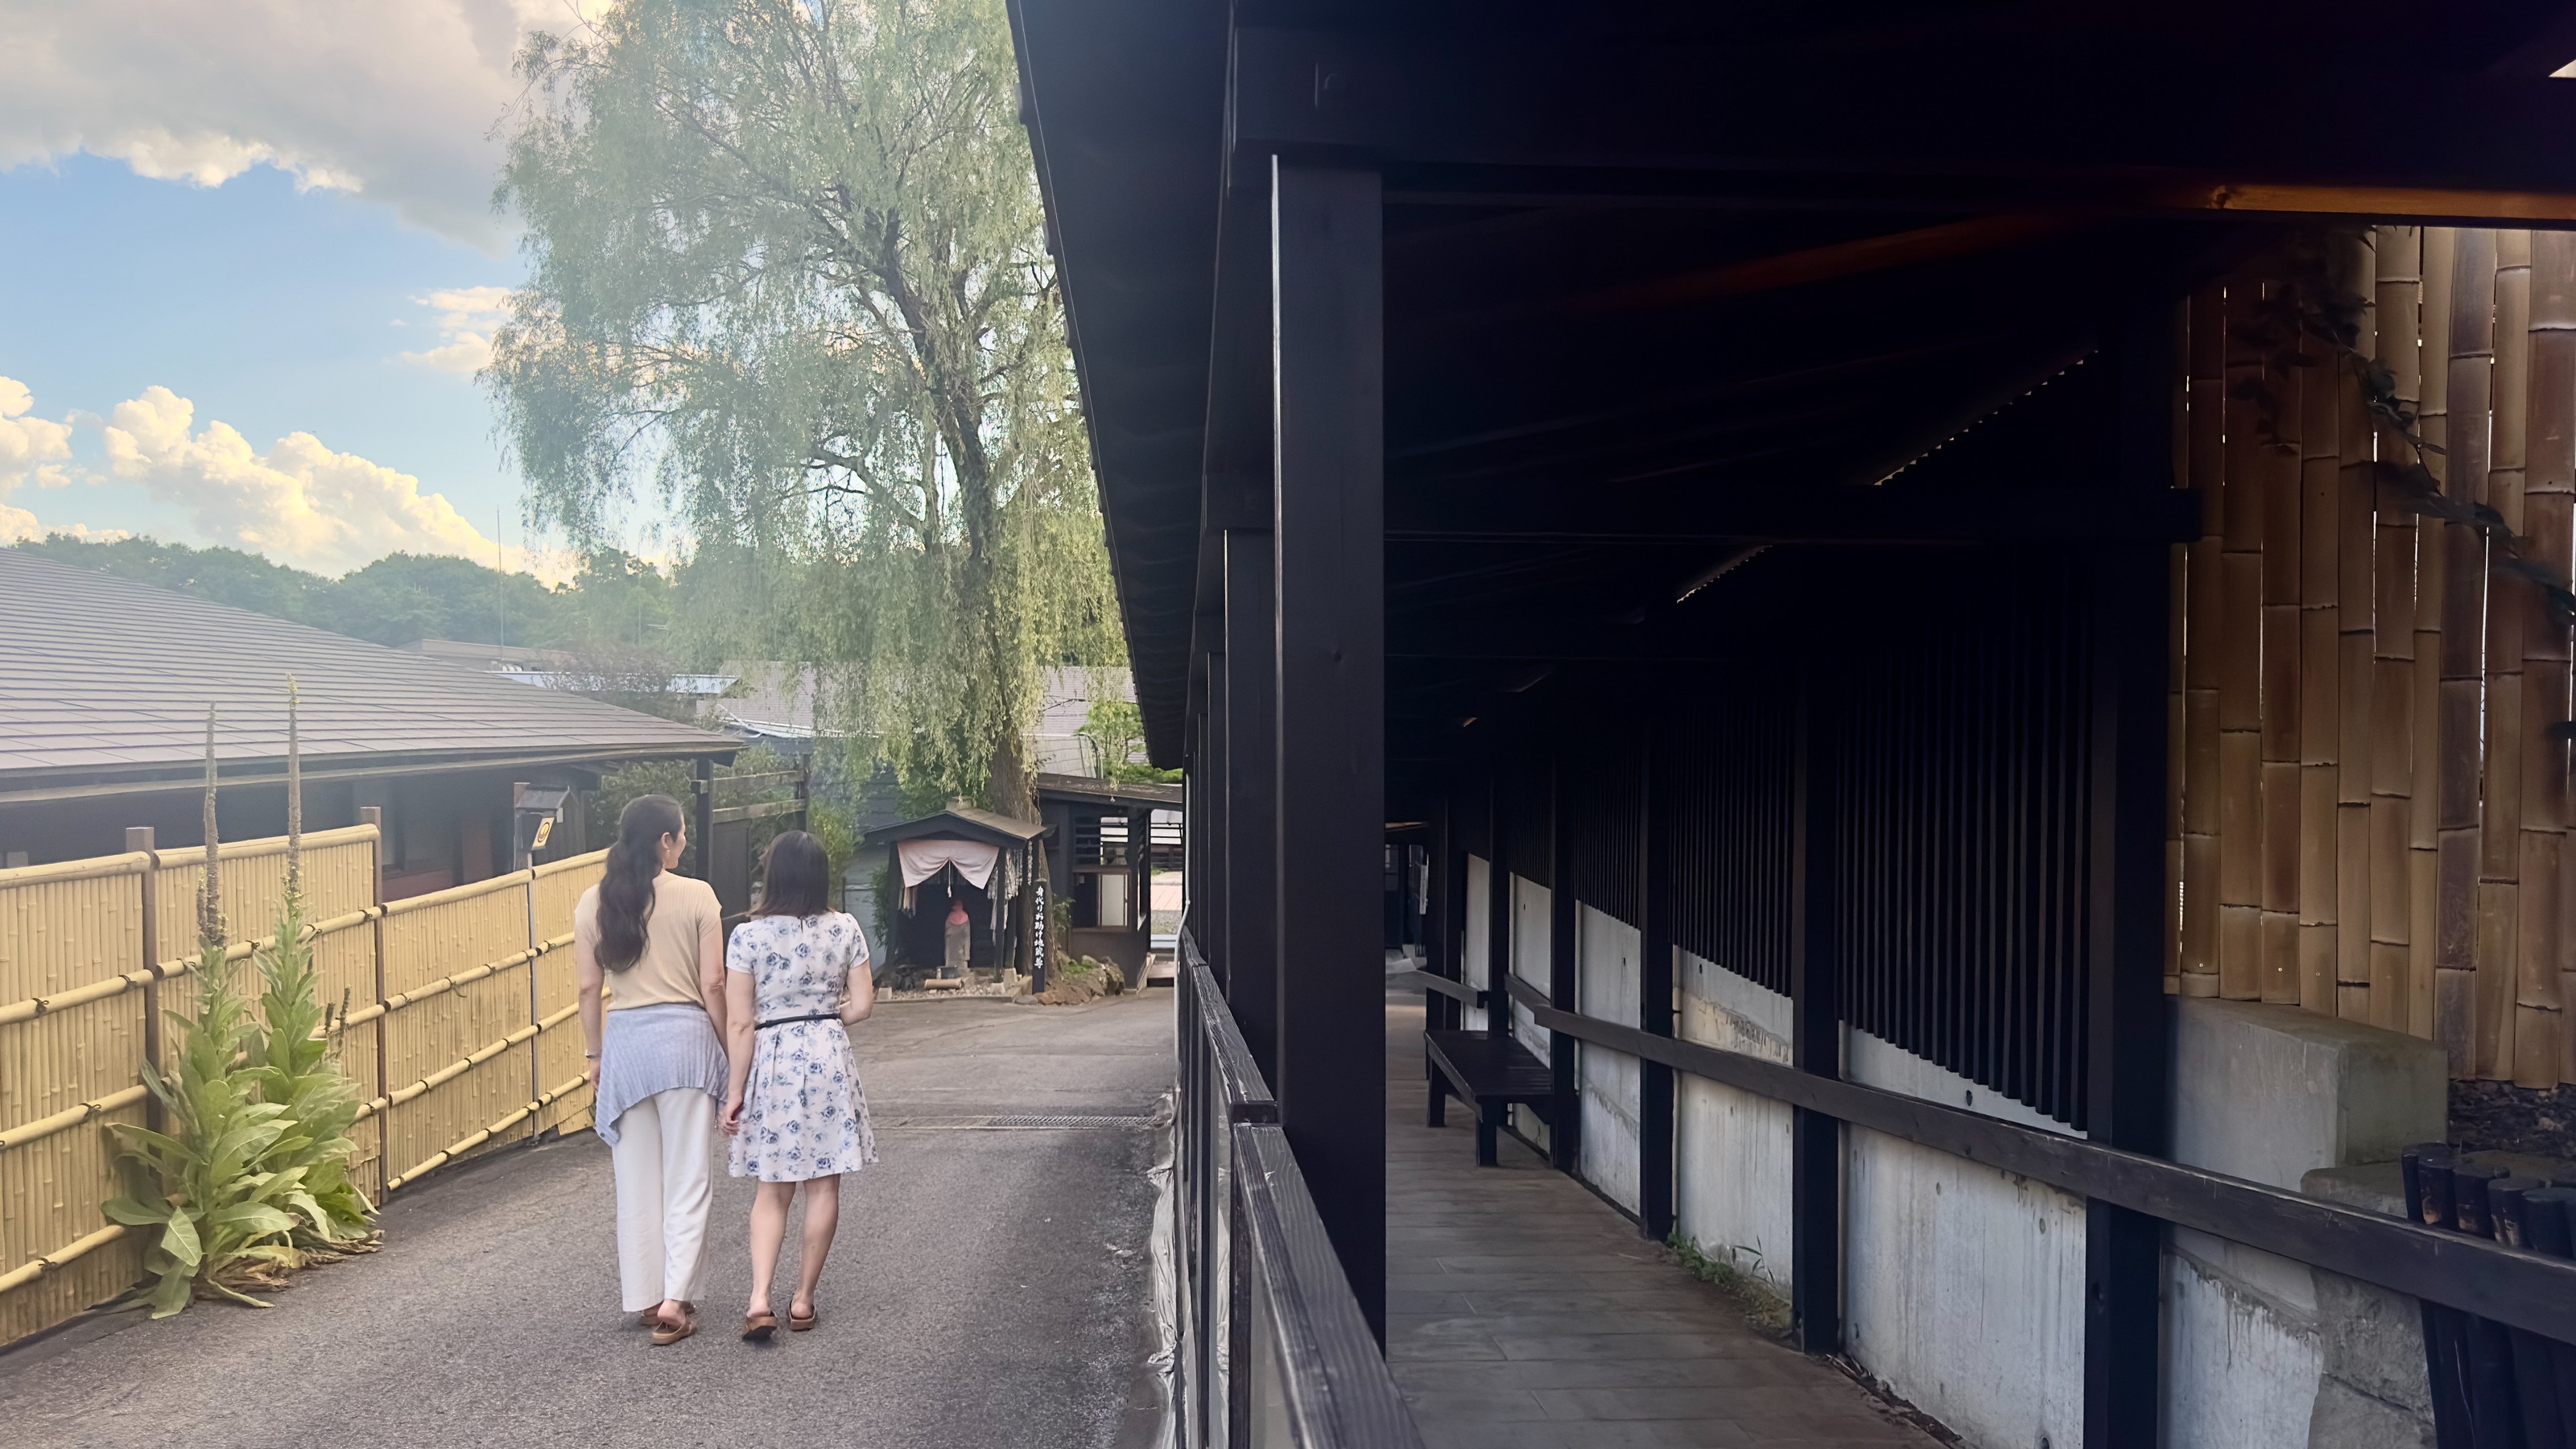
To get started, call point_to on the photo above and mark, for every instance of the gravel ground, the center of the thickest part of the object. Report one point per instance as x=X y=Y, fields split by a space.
x=990 y=1287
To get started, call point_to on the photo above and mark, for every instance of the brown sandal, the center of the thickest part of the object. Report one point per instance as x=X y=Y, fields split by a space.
x=757 y=1327
x=652 y=1317
x=799 y=1325
x=664 y=1334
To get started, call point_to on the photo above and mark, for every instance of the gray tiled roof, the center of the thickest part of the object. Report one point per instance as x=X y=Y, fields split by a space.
x=103 y=676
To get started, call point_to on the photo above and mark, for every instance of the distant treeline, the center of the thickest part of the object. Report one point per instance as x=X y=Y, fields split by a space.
x=617 y=602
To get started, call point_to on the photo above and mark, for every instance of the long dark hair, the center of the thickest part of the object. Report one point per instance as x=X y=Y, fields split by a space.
x=626 y=891
x=794 y=872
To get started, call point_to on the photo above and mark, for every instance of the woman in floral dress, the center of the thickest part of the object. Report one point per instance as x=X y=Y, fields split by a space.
x=796 y=977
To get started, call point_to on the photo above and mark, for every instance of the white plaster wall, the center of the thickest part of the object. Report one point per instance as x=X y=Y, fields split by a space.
x=1608 y=982
x=2241 y=1351
x=1965 y=1286
x=1480 y=919
x=1731 y=1153
x=1532 y=940
x=1531 y=903
x=2269 y=1093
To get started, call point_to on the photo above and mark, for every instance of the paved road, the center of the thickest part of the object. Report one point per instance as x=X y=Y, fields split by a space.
x=990 y=1287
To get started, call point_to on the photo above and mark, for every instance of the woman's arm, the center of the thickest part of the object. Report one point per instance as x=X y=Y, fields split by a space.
x=587 y=981
x=858 y=989
x=712 y=988
x=741 y=1025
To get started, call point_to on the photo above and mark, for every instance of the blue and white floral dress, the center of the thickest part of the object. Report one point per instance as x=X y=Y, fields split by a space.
x=803 y=1114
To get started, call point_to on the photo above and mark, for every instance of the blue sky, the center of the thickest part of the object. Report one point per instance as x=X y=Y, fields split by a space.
x=225 y=225
x=274 y=310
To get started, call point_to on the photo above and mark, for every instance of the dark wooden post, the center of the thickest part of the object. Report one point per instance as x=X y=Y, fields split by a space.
x=1655 y=1202
x=1564 y=983
x=1816 y=1035
x=1204 y=835
x=2125 y=1026
x=702 y=827
x=1498 y=910
x=1140 y=883
x=1328 y=541
x=138 y=841
x=1440 y=916
x=1251 y=854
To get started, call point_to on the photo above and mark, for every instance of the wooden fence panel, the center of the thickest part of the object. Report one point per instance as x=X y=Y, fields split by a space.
x=71 y=930
x=438 y=1001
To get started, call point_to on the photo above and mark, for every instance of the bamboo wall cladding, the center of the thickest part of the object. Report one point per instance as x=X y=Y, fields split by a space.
x=451 y=1013
x=2374 y=701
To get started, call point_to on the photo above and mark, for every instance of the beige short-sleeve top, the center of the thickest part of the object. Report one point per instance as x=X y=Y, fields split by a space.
x=684 y=910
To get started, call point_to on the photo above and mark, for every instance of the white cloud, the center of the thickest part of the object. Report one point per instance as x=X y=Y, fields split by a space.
x=398 y=103
x=299 y=503
x=467 y=317
x=32 y=450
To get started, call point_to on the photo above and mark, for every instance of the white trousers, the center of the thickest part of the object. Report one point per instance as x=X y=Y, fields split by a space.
x=660 y=1158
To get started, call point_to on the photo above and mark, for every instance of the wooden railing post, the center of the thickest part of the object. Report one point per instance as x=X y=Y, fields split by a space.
x=138 y=839
x=375 y=815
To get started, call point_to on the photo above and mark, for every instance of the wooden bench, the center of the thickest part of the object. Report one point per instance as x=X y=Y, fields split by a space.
x=1491 y=1070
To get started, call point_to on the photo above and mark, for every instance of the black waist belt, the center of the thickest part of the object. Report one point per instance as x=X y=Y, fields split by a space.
x=792 y=1020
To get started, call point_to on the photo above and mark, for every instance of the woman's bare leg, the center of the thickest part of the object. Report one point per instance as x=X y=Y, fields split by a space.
x=822 y=1215
x=768 y=1233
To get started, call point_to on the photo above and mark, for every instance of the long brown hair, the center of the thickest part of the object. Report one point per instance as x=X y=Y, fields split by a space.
x=626 y=890
x=794 y=876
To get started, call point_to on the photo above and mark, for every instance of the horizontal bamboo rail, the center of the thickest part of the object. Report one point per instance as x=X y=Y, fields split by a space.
x=473 y=1140
x=60 y=1257
x=70 y=1117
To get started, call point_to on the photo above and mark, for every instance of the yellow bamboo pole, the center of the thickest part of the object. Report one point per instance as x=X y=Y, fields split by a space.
x=2204 y=650
x=2355 y=274
x=2400 y=289
x=2500 y=813
x=2541 y=1055
x=2320 y=681
x=2432 y=589
x=2240 y=684
x=2472 y=369
x=2278 y=461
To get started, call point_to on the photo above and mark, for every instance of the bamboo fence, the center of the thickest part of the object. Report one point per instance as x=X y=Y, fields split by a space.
x=452 y=1013
x=2373 y=704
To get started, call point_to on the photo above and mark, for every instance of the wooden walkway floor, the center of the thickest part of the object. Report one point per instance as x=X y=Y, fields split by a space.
x=1525 y=1313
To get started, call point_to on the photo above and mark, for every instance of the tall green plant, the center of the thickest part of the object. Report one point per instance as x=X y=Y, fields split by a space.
x=251 y=1179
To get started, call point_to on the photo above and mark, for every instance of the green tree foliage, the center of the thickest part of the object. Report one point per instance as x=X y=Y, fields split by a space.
x=1116 y=729
x=788 y=267
x=618 y=606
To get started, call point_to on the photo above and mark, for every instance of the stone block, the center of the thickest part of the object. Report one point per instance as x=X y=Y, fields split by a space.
x=2271 y=1093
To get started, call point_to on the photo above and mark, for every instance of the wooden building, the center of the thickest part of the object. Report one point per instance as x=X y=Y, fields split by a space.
x=992 y=865
x=1934 y=578
x=1102 y=867
x=104 y=686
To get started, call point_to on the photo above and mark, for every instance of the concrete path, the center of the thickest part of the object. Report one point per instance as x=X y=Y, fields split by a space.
x=990 y=1287
x=1525 y=1313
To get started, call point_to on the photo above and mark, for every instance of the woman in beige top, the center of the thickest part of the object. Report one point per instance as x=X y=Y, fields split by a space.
x=657 y=1063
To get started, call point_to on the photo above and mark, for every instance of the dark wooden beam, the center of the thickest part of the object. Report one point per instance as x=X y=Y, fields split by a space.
x=1328 y=398
x=1564 y=978
x=1656 y=1203
x=1816 y=1030
x=2511 y=1285
x=2087 y=117
x=2125 y=1096
x=1250 y=857
x=1668 y=513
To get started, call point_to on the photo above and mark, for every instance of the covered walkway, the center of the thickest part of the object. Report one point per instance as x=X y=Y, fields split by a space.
x=990 y=1286
x=1525 y=1313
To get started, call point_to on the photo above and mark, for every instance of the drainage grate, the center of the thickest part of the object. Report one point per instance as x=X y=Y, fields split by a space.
x=1022 y=1121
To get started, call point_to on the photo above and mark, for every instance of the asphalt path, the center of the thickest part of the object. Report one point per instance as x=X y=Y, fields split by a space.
x=991 y=1286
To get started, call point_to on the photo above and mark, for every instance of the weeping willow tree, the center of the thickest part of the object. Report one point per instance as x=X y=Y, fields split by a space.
x=788 y=271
